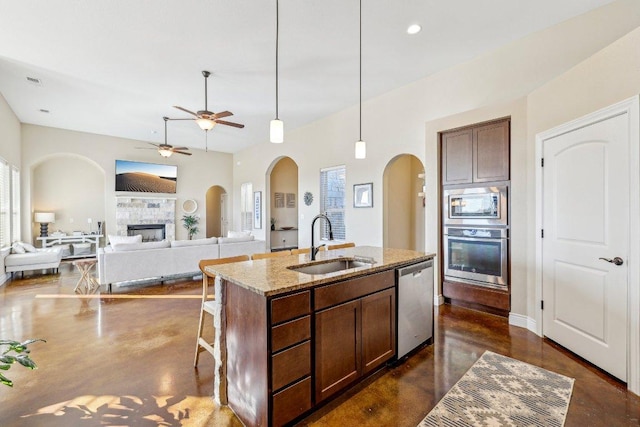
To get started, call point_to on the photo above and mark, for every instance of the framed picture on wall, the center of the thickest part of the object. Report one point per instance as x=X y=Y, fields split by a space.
x=257 y=209
x=363 y=195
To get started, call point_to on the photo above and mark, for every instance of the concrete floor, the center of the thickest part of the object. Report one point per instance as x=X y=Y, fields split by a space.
x=127 y=360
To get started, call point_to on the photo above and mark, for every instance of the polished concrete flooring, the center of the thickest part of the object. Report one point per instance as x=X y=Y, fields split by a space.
x=126 y=360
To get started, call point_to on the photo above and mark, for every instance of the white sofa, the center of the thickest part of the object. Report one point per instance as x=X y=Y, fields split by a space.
x=38 y=259
x=136 y=261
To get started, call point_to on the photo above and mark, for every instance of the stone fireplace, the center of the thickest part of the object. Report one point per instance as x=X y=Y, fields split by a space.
x=149 y=215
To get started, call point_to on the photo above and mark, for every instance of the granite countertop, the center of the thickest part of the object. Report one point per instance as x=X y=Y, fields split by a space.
x=271 y=276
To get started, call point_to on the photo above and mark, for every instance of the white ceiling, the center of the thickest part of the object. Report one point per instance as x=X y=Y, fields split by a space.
x=116 y=67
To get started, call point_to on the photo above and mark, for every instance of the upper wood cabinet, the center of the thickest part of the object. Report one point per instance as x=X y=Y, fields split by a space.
x=476 y=154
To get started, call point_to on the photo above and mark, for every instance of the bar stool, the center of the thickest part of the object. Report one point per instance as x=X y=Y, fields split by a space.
x=271 y=254
x=209 y=304
x=341 y=246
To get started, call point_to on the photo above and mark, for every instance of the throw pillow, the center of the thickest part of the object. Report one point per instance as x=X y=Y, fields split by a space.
x=17 y=248
x=28 y=247
x=238 y=233
x=116 y=240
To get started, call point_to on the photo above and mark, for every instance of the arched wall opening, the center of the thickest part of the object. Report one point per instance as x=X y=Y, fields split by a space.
x=403 y=207
x=217 y=222
x=282 y=200
x=73 y=188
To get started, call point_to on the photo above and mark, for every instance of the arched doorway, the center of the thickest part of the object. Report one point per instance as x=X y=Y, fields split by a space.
x=403 y=206
x=217 y=222
x=282 y=203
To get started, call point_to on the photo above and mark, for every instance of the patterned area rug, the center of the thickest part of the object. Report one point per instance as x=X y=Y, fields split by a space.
x=500 y=391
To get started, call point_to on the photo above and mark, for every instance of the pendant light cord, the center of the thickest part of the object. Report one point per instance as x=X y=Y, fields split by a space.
x=360 y=71
x=277 y=37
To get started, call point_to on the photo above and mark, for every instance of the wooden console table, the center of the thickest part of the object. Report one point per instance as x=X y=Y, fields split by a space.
x=94 y=239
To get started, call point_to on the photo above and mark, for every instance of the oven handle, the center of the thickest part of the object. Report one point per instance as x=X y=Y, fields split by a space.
x=476 y=239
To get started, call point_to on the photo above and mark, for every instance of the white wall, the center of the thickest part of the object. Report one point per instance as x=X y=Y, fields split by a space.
x=609 y=76
x=491 y=86
x=196 y=173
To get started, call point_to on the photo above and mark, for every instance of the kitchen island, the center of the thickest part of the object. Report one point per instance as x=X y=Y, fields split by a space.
x=287 y=341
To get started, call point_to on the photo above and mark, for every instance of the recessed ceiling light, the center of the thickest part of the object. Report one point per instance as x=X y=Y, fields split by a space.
x=414 y=29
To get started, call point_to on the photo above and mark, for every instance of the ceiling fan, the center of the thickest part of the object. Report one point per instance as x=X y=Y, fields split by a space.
x=205 y=118
x=166 y=150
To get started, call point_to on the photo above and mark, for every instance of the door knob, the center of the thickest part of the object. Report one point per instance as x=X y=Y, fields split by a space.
x=617 y=260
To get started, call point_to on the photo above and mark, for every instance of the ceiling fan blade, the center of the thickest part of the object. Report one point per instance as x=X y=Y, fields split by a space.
x=222 y=114
x=145 y=148
x=183 y=119
x=151 y=143
x=235 y=125
x=182 y=152
x=185 y=110
x=180 y=148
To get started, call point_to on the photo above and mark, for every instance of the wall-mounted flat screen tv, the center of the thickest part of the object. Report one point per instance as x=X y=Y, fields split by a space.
x=145 y=177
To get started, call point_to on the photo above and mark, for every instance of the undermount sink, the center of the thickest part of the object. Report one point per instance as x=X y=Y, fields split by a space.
x=332 y=266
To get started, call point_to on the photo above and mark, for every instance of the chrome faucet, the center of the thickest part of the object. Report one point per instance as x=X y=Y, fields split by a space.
x=314 y=250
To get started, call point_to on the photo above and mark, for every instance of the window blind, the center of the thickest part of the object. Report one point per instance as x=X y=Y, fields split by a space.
x=5 y=204
x=15 y=204
x=332 y=201
x=246 y=205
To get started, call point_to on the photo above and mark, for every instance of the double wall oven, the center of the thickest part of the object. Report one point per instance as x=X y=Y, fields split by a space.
x=476 y=236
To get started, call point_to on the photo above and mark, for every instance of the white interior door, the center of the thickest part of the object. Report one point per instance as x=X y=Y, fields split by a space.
x=586 y=218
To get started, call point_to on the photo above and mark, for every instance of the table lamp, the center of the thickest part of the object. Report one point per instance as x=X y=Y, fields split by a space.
x=44 y=218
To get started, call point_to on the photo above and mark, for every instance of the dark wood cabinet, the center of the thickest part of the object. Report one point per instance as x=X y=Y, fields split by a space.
x=338 y=355
x=378 y=329
x=476 y=154
x=353 y=338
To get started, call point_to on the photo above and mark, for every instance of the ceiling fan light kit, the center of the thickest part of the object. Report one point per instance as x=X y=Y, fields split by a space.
x=361 y=146
x=206 y=119
x=276 y=127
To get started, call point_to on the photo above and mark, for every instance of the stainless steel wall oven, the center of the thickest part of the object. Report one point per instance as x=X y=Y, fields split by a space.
x=476 y=256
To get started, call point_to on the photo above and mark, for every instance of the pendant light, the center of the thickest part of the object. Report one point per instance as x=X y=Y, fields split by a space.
x=276 y=130
x=361 y=146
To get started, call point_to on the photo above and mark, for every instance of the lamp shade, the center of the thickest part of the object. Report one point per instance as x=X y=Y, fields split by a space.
x=45 y=217
x=361 y=149
x=276 y=131
x=165 y=152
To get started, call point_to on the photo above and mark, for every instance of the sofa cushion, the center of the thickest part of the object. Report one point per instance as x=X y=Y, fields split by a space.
x=194 y=242
x=17 y=248
x=223 y=240
x=42 y=256
x=232 y=233
x=116 y=240
x=123 y=247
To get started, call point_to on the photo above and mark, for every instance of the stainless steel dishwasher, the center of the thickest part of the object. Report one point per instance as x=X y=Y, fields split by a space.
x=415 y=306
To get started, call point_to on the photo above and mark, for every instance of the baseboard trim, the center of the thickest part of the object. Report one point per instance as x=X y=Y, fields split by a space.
x=522 y=321
x=438 y=300
x=4 y=278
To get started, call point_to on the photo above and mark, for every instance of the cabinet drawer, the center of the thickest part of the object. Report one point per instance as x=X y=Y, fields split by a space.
x=290 y=333
x=327 y=296
x=290 y=306
x=291 y=402
x=290 y=365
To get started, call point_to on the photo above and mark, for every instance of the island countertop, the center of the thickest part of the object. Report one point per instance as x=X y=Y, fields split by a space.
x=271 y=276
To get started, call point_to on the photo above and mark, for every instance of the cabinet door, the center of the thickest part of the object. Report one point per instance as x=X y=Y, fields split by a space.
x=457 y=155
x=338 y=354
x=491 y=152
x=378 y=329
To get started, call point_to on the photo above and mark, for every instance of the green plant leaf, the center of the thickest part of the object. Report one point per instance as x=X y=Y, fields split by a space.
x=6 y=381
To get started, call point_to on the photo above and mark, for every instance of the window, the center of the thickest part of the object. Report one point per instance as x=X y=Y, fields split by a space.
x=5 y=204
x=246 y=206
x=15 y=204
x=332 y=201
